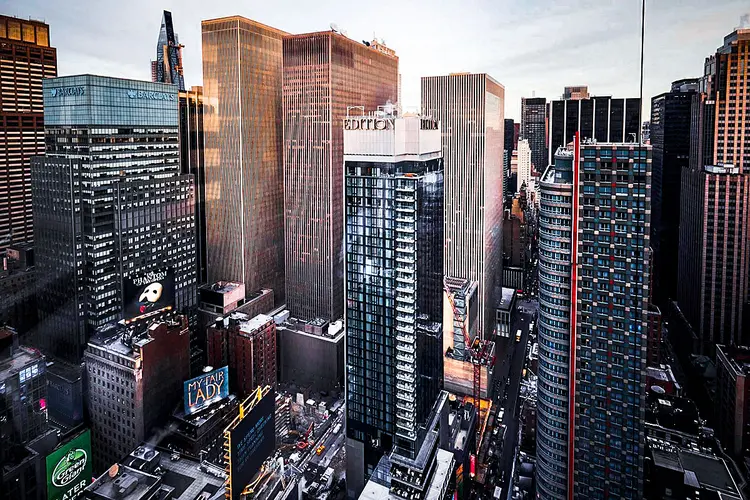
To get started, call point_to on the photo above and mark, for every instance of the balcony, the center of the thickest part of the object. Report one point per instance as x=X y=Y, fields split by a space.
x=405 y=368
x=405 y=387
x=407 y=339
x=405 y=319
x=405 y=260
x=405 y=377
x=405 y=309
x=405 y=299
x=406 y=347
x=405 y=358
x=405 y=396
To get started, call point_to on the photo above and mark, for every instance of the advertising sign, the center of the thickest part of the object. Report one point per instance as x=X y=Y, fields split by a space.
x=69 y=468
x=206 y=389
x=148 y=294
x=251 y=441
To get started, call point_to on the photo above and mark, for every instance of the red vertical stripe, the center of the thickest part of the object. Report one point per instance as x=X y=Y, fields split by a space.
x=573 y=317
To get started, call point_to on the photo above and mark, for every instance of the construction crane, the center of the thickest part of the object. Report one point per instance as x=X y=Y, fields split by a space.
x=304 y=441
x=477 y=352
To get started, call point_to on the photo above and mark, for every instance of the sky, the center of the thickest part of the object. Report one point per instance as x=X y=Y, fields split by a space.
x=532 y=47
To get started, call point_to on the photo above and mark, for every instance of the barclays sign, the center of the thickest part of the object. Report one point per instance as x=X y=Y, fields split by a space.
x=154 y=96
x=67 y=91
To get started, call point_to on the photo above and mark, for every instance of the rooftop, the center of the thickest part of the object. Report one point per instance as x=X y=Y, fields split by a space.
x=507 y=299
x=253 y=324
x=21 y=358
x=332 y=332
x=120 y=339
x=223 y=286
x=738 y=358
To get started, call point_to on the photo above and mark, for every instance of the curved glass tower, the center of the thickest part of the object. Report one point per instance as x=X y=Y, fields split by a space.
x=555 y=222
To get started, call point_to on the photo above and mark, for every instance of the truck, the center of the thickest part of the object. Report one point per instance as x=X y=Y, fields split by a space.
x=337 y=428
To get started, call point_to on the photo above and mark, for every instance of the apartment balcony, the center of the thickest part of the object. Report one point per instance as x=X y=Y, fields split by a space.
x=407 y=339
x=406 y=347
x=405 y=358
x=405 y=396
x=405 y=377
x=405 y=368
x=405 y=309
x=405 y=319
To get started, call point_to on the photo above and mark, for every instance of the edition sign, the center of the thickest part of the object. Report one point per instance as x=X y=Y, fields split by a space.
x=367 y=123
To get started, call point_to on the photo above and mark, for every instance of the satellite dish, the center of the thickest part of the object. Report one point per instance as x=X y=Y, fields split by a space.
x=334 y=27
x=658 y=389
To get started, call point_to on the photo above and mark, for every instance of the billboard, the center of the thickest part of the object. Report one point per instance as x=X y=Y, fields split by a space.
x=69 y=468
x=206 y=389
x=251 y=441
x=147 y=294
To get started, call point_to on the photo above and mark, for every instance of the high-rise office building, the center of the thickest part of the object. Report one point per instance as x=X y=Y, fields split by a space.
x=524 y=164
x=733 y=398
x=534 y=129
x=727 y=85
x=26 y=58
x=470 y=110
x=167 y=68
x=243 y=156
x=135 y=378
x=111 y=206
x=713 y=259
x=510 y=143
x=324 y=74
x=192 y=161
x=602 y=118
x=576 y=92
x=394 y=268
x=593 y=306
x=670 y=139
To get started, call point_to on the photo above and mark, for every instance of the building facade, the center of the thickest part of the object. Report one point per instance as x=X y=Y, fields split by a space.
x=167 y=68
x=324 y=74
x=593 y=314
x=192 y=161
x=110 y=203
x=135 y=379
x=18 y=288
x=602 y=118
x=534 y=129
x=670 y=139
x=712 y=274
x=248 y=346
x=394 y=268
x=243 y=161
x=26 y=58
x=470 y=110
x=576 y=92
x=733 y=398
x=524 y=164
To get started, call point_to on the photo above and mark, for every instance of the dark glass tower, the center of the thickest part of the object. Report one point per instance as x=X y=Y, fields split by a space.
x=534 y=129
x=168 y=65
x=394 y=269
x=670 y=140
x=111 y=205
x=593 y=306
x=602 y=118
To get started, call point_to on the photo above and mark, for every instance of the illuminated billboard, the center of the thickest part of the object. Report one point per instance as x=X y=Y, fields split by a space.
x=148 y=294
x=206 y=389
x=69 y=468
x=251 y=441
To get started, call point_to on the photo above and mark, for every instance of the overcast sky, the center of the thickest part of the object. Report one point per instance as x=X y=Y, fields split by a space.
x=529 y=46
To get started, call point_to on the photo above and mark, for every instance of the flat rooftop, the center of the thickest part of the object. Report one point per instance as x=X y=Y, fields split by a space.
x=737 y=357
x=507 y=299
x=21 y=358
x=223 y=286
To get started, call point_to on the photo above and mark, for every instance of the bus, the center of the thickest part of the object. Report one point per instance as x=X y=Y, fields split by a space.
x=518 y=336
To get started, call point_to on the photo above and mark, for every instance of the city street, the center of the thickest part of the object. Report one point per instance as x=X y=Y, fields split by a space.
x=506 y=393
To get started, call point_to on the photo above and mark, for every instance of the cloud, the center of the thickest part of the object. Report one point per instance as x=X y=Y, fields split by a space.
x=535 y=45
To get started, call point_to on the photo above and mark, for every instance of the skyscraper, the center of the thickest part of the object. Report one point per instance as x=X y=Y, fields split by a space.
x=670 y=139
x=593 y=298
x=394 y=269
x=25 y=59
x=602 y=118
x=509 y=145
x=534 y=129
x=524 y=164
x=324 y=74
x=192 y=161
x=576 y=92
x=713 y=254
x=168 y=65
x=111 y=206
x=244 y=177
x=727 y=76
x=470 y=109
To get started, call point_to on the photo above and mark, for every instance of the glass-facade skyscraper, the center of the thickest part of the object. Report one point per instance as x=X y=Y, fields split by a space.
x=394 y=275
x=111 y=205
x=324 y=73
x=26 y=58
x=534 y=129
x=594 y=279
x=167 y=68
